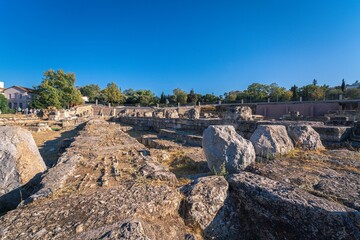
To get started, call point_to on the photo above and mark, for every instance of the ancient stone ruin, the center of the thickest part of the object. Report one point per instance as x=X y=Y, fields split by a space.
x=201 y=172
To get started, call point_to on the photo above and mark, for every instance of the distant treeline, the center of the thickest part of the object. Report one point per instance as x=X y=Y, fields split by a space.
x=58 y=90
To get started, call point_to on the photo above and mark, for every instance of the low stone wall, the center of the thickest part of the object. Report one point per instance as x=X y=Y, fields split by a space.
x=175 y=123
x=19 y=121
x=331 y=136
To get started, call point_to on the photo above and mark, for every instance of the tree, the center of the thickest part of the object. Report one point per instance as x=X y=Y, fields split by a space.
x=314 y=82
x=343 y=86
x=3 y=104
x=277 y=93
x=113 y=94
x=231 y=96
x=295 y=93
x=92 y=91
x=180 y=96
x=192 y=97
x=257 y=92
x=57 y=89
x=162 y=98
x=209 y=98
x=353 y=93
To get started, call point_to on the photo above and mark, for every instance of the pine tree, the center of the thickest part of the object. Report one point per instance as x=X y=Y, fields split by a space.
x=343 y=86
x=294 y=90
x=162 y=98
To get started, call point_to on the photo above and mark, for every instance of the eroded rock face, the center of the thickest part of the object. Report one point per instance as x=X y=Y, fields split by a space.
x=204 y=197
x=224 y=146
x=20 y=159
x=280 y=211
x=154 y=170
x=271 y=140
x=238 y=113
x=194 y=113
x=171 y=113
x=305 y=137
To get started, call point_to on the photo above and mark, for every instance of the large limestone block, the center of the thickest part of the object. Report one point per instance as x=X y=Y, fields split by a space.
x=271 y=140
x=20 y=159
x=305 y=137
x=238 y=113
x=204 y=198
x=275 y=210
x=171 y=113
x=224 y=146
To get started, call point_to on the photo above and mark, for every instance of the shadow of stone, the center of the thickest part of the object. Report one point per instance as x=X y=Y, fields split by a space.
x=51 y=150
x=229 y=223
x=12 y=199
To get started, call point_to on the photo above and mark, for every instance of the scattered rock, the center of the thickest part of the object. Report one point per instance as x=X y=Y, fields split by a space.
x=154 y=170
x=305 y=137
x=271 y=140
x=223 y=146
x=204 y=197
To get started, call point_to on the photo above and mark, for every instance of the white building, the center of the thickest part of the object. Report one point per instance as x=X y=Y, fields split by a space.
x=18 y=97
x=1 y=87
x=354 y=85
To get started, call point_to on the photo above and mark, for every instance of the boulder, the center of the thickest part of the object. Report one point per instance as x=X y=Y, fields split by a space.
x=204 y=197
x=20 y=159
x=194 y=113
x=154 y=170
x=271 y=140
x=333 y=133
x=223 y=146
x=305 y=137
x=276 y=210
x=171 y=113
x=238 y=113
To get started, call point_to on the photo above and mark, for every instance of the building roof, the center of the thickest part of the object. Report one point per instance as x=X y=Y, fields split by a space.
x=25 y=89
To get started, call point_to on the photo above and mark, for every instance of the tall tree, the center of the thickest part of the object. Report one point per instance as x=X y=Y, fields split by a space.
x=314 y=82
x=343 y=86
x=92 y=91
x=295 y=93
x=192 y=97
x=162 y=98
x=3 y=104
x=113 y=94
x=180 y=96
x=58 y=90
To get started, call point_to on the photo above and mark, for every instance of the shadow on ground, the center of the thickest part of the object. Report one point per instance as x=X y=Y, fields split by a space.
x=52 y=149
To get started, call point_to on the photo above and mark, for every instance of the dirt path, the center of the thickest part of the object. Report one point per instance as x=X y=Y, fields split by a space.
x=52 y=144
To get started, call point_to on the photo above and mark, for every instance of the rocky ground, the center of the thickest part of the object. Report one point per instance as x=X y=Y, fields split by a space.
x=102 y=187
x=331 y=174
x=112 y=185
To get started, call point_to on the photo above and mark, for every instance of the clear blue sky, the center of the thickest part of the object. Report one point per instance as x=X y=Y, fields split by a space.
x=211 y=46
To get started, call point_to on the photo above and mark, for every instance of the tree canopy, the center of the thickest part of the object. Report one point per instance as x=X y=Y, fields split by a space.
x=112 y=94
x=3 y=104
x=57 y=90
x=141 y=97
x=180 y=96
x=92 y=91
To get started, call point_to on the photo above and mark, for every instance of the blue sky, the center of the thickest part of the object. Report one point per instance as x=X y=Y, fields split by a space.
x=211 y=46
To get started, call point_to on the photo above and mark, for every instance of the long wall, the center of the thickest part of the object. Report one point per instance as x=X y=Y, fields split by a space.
x=307 y=109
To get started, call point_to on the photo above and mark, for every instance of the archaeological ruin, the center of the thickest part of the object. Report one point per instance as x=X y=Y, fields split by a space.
x=196 y=172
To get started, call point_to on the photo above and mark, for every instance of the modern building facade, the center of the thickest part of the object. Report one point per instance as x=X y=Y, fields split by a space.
x=18 y=97
x=2 y=87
